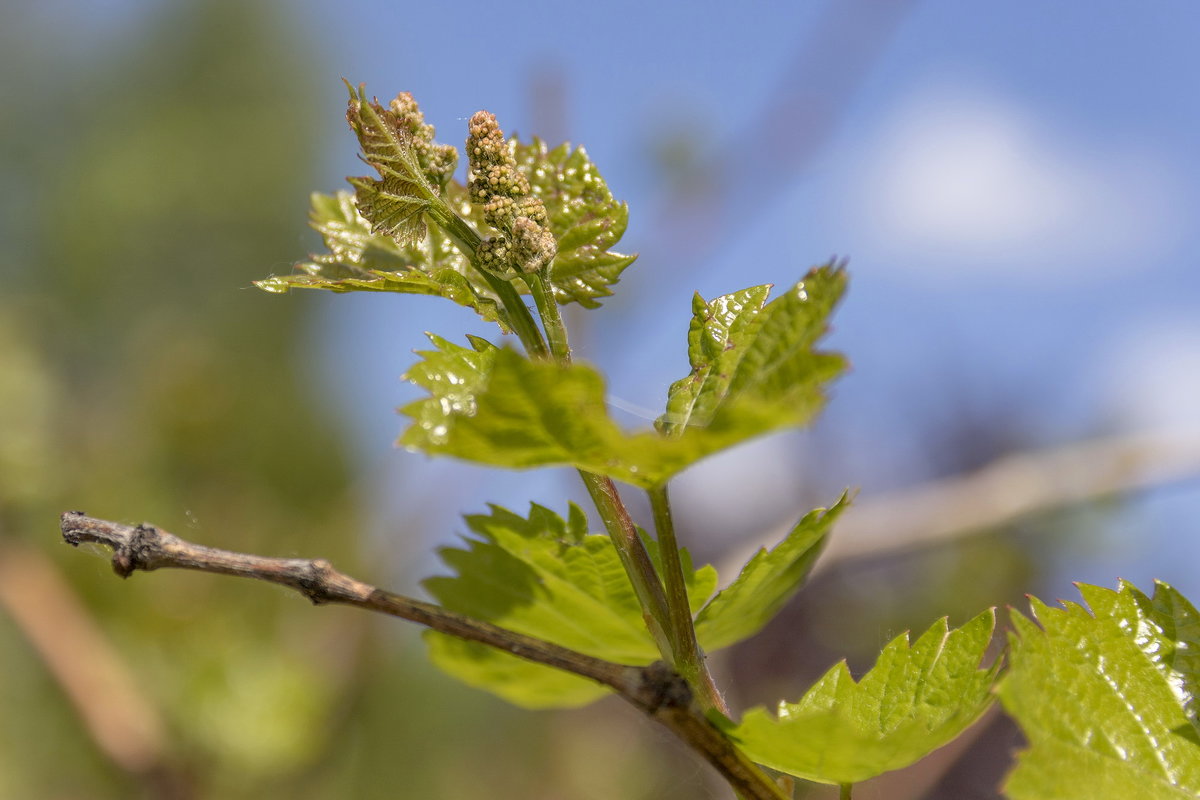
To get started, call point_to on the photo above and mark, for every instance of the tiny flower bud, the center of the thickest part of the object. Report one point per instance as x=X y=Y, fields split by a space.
x=495 y=184
x=533 y=246
x=437 y=160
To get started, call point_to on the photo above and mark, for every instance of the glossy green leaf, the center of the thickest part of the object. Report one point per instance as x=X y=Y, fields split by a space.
x=1107 y=699
x=584 y=218
x=914 y=700
x=765 y=583
x=510 y=411
x=545 y=577
x=753 y=362
x=716 y=343
x=527 y=413
x=359 y=259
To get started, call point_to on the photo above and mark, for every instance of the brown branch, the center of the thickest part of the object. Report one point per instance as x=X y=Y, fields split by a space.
x=656 y=690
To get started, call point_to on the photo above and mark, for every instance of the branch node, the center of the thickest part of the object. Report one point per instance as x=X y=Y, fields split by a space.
x=131 y=555
x=69 y=534
x=663 y=687
x=315 y=585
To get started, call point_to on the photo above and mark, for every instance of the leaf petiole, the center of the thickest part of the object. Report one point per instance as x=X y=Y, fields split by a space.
x=547 y=305
x=689 y=658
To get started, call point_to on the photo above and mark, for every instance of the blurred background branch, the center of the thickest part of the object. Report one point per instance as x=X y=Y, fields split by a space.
x=997 y=495
x=100 y=686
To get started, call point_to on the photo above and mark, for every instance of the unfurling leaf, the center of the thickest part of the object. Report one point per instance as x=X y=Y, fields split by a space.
x=768 y=580
x=394 y=204
x=1107 y=699
x=362 y=260
x=511 y=411
x=914 y=700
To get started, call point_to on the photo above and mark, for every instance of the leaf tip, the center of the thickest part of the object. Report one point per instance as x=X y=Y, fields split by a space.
x=273 y=284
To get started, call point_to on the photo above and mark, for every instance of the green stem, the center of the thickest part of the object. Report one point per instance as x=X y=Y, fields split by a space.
x=667 y=614
x=604 y=494
x=468 y=242
x=547 y=305
x=689 y=658
x=634 y=558
x=618 y=523
x=844 y=791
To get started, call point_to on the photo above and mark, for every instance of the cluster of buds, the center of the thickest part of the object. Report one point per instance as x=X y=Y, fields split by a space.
x=523 y=239
x=437 y=160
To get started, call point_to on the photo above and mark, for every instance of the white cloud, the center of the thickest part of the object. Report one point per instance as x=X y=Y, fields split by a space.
x=962 y=181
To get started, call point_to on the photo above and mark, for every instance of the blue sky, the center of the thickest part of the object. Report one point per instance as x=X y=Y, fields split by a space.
x=1015 y=185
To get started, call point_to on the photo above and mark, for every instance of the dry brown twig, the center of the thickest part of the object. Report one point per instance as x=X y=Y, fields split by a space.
x=656 y=690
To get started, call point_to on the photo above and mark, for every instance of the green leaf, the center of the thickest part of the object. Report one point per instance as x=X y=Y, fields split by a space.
x=353 y=248
x=913 y=701
x=753 y=365
x=520 y=682
x=509 y=411
x=392 y=206
x=716 y=339
x=584 y=218
x=520 y=566
x=362 y=260
x=1107 y=699
x=527 y=413
x=545 y=577
x=767 y=581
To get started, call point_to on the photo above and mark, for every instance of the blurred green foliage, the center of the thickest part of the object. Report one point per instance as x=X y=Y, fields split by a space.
x=146 y=179
x=139 y=379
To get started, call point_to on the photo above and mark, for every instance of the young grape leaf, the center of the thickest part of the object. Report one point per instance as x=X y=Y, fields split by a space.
x=1107 y=699
x=507 y=410
x=362 y=260
x=392 y=207
x=520 y=682
x=545 y=577
x=510 y=411
x=754 y=364
x=767 y=581
x=527 y=413
x=715 y=346
x=394 y=204
x=453 y=376
x=914 y=700
x=584 y=218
